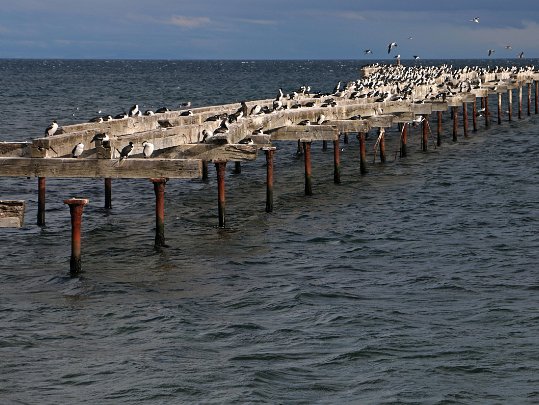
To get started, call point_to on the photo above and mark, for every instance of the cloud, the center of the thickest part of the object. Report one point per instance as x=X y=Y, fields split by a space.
x=256 y=22
x=188 y=22
x=351 y=15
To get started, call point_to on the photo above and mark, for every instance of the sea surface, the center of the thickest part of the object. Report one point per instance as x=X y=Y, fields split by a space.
x=417 y=283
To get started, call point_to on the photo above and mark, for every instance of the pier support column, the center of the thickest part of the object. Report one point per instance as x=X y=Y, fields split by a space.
x=439 y=129
x=425 y=128
x=220 y=167
x=76 y=206
x=499 y=108
x=336 y=162
x=382 y=144
x=308 y=168
x=108 y=193
x=404 y=140
x=519 y=102
x=536 y=93
x=269 y=177
x=237 y=167
x=345 y=138
x=510 y=105
x=529 y=94
x=487 y=113
x=362 y=153
x=159 y=190
x=455 y=123
x=41 y=185
x=465 y=119
x=204 y=170
x=474 y=115
x=324 y=146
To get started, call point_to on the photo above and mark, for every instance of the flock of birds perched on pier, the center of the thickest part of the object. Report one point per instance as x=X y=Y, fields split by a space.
x=385 y=84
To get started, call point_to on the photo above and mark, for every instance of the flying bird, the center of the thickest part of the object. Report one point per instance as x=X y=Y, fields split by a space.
x=521 y=55
x=77 y=150
x=147 y=149
x=416 y=57
x=391 y=46
x=508 y=47
x=51 y=129
x=367 y=51
x=491 y=51
x=475 y=20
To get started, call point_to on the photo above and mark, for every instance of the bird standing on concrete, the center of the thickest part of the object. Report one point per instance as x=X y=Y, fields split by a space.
x=77 y=150
x=126 y=151
x=147 y=149
x=51 y=129
x=134 y=111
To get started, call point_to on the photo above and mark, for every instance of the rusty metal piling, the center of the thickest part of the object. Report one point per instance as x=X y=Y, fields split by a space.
x=108 y=193
x=159 y=190
x=308 y=168
x=220 y=167
x=76 y=207
x=41 y=186
x=269 y=178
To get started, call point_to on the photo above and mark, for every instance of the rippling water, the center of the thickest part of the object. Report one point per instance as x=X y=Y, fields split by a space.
x=416 y=283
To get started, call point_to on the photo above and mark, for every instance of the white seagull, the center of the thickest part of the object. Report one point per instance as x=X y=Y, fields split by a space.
x=475 y=20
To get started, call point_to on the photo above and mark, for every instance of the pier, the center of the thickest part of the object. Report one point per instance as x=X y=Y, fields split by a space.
x=186 y=141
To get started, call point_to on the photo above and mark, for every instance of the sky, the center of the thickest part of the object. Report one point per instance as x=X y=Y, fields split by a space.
x=267 y=29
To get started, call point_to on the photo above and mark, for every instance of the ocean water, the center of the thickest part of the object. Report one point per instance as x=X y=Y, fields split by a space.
x=414 y=284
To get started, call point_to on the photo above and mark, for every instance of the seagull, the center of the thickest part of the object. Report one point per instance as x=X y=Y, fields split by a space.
x=186 y=104
x=149 y=113
x=162 y=110
x=51 y=129
x=96 y=119
x=391 y=46
x=100 y=137
x=187 y=113
x=521 y=55
x=508 y=47
x=397 y=56
x=475 y=20
x=416 y=57
x=321 y=119
x=367 y=51
x=77 y=150
x=491 y=51
x=126 y=151
x=148 y=149
x=133 y=111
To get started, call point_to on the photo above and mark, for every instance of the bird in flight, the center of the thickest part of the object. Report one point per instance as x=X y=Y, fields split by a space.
x=521 y=55
x=475 y=20
x=367 y=51
x=391 y=46
x=491 y=51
